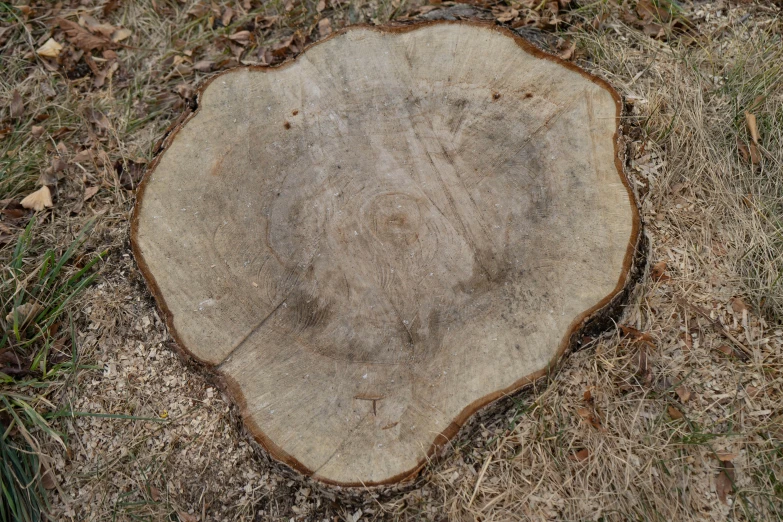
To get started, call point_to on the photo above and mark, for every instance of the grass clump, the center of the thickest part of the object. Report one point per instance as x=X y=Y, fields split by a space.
x=38 y=357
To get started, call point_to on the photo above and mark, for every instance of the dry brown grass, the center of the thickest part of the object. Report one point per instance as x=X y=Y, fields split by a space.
x=644 y=444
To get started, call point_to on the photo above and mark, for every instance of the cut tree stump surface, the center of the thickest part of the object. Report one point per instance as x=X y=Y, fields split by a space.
x=376 y=239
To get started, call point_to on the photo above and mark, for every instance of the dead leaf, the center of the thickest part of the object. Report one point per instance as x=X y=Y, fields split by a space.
x=228 y=14
x=581 y=455
x=58 y=164
x=120 y=35
x=321 y=5
x=186 y=517
x=725 y=456
x=50 y=49
x=24 y=9
x=185 y=91
x=724 y=348
x=647 y=10
x=110 y=6
x=241 y=37
x=324 y=27
x=635 y=334
x=568 y=52
x=755 y=156
x=37 y=131
x=643 y=364
x=17 y=105
x=90 y=192
x=658 y=271
x=155 y=494
x=47 y=480
x=507 y=16
x=130 y=173
x=39 y=199
x=683 y=393
x=750 y=121
x=654 y=30
x=724 y=482
x=738 y=305
x=743 y=150
x=675 y=413
x=591 y=418
x=83 y=156
x=203 y=66
x=81 y=37
x=24 y=314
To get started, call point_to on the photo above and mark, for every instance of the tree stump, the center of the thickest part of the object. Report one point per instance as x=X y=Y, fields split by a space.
x=374 y=240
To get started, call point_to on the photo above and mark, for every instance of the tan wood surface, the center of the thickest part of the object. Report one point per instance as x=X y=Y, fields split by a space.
x=372 y=241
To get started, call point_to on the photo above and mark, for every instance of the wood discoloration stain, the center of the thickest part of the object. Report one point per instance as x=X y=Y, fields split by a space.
x=427 y=248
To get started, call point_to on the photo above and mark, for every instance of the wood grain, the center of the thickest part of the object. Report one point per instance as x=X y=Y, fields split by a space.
x=376 y=239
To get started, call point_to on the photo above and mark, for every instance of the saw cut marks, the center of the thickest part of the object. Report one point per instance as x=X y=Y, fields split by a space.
x=371 y=242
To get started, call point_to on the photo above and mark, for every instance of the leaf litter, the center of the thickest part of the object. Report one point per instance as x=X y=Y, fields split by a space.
x=688 y=357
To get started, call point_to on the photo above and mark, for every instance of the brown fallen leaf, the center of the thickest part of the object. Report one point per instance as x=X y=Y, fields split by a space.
x=568 y=52
x=82 y=38
x=17 y=105
x=120 y=35
x=750 y=121
x=587 y=396
x=241 y=37
x=683 y=393
x=636 y=335
x=23 y=313
x=90 y=192
x=26 y=10
x=39 y=199
x=687 y=339
x=110 y=6
x=755 y=155
x=675 y=413
x=743 y=150
x=155 y=494
x=581 y=455
x=324 y=27
x=228 y=14
x=738 y=305
x=47 y=480
x=59 y=164
x=186 y=517
x=37 y=131
x=83 y=156
x=50 y=49
x=654 y=30
x=643 y=364
x=507 y=16
x=724 y=482
x=591 y=418
x=203 y=66
x=647 y=10
x=658 y=271
x=321 y=5
x=725 y=456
